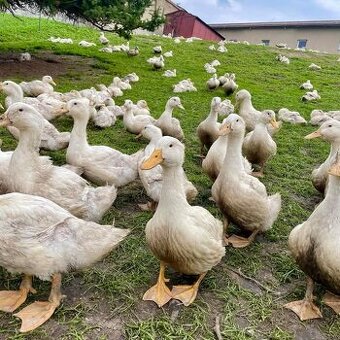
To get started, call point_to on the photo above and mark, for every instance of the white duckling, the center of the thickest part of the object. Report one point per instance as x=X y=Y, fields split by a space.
x=314 y=67
x=36 y=87
x=103 y=117
x=39 y=238
x=212 y=163
x=170 y=73
x=307 y=85
x=242 y=198
x=168 y=54
x=51 y=138
x=223 y=79
x=157 y=62
x=330 y=132
x=317 y=117
x=222 y=49
x=141 y=108
x=258 y=145
x=152 y=179
x=212 y=47
x=101 y=164
x=102 y=39
x=157 y=49
x=230 y=85
x=85 y=43
x=169 y=125
x=132 y=123
x=311 y=96
x=42 y=178
x=208 y=129
x=131 y=78
x=213 y=83
x=184 y=237
x=292 y=117
x=314 y=245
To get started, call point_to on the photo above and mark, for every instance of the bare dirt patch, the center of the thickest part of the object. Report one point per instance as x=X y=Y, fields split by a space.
x=43 y=63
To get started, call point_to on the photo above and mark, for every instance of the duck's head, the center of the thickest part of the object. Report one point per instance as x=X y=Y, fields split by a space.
x=242 y=95
x=49 y=80
x=78 y=108
x=10 y=87
x=150 y=132
x=22 y=116
x=329 y=131
x=175 y=102
x=143 y=104
x=128 y=104
x=215 y=103
x=268 y=117
x=169 y=152
x=232 y=125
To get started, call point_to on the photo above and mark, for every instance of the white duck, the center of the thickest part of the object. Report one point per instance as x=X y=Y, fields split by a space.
x=169 y=125
x=230 y=85
x=246 y=109
x=208 y=129
x=103 y=40
x=213 y=83
x=36 y=87
x=39 y=238
x=292 y=117
x=314 y=245
x=152 y=179
x=213 y=162
x=141 y=108
x=170 y=73
x=103 y=117
x=329 y=131
x=184 y=237
x=242 y=198
x=258 y=145
x=307 y=85
x=132 y=123
x=101 y=164
x=42 y=178
x=51 y=138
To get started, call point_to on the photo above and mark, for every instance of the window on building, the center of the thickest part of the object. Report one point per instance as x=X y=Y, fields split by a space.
x=301 y=43
x=265 y=42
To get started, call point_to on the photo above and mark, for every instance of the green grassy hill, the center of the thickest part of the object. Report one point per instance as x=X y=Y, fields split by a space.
x=105 y=302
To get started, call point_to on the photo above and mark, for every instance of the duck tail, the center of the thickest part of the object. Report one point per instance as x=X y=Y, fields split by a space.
x=274 y=209
x=99 y=201
x=89 y=242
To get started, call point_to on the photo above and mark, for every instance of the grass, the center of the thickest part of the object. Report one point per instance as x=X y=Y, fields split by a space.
x=105 y=301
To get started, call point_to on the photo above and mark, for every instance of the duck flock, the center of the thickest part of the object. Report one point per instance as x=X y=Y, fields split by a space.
x=50 y=214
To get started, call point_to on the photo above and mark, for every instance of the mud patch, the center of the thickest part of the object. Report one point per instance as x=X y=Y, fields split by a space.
x=44 y=63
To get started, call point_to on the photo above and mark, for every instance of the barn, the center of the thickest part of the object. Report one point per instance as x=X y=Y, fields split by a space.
x=182 y=23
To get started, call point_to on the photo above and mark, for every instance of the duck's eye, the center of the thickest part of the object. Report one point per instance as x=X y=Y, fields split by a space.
x=330 y=125
x=170 y=146
x=74 y=103
x=237 y=120
x=21 y=110
x=6 y=83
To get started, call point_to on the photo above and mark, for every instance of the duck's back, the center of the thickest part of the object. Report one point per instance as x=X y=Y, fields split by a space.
x=40 y=238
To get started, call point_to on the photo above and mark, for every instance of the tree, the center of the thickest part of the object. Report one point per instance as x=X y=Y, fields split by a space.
x=120 y=16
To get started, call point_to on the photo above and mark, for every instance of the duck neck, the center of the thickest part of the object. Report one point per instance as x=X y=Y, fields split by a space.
x=335 y=146
x=260 y=127
x=27 y=151
x=167 y=114
x=212 y=117
x=173 y=193
x=78 y=134
x=333 y=192
x=16 y=95
x=233 y=160
x=128 y=116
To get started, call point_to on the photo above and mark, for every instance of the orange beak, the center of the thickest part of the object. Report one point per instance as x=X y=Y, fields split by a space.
x=314 y=134
x=154 y=159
